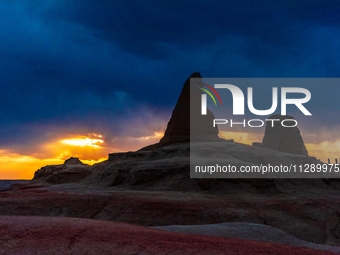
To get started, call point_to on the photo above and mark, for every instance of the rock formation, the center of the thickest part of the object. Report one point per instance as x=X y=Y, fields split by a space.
x=72 y=170
x=178 y=128
x=73 y=161
x=284 y=139
x=152 y=187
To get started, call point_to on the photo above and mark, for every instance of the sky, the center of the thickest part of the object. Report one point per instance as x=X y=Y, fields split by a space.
x=86 y=78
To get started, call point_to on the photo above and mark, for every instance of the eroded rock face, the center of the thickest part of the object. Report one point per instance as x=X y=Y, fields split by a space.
x=168 y=167
x=73 y=170
x=178 y=128
x=284 y=139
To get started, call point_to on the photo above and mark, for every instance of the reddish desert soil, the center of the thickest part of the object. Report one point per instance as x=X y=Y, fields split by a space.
x=313 y=218
x=60 y=235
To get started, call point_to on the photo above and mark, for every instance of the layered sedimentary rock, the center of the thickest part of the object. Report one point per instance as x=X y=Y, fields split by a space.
x=284 y=139
x=178 y=128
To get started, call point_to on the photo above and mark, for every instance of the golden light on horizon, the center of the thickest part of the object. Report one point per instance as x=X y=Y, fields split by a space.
x=325 y=150
x=83 y=141
x=94 y=148
x=90 y=148
x=241 y=137
x=16 y=166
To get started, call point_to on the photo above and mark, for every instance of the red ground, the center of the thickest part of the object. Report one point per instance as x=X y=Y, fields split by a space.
x=53 y=235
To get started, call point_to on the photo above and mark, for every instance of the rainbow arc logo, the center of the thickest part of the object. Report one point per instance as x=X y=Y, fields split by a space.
x=213 y=95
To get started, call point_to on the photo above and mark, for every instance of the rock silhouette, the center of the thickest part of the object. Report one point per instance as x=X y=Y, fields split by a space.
x=72 y=161
x=178 y=128
x=72 y=170
x=284 y=139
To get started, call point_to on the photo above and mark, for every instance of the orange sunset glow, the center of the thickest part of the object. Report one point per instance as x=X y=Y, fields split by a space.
x=93 y=148
x=90 y=149
x=83 y=141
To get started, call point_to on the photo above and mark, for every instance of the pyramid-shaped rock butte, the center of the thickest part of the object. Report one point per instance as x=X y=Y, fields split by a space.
x=178 y=128
x=277 y=138
x=284 y=139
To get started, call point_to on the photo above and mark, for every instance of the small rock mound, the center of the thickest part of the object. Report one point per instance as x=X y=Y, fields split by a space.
x=73 y=170
x=73 y=161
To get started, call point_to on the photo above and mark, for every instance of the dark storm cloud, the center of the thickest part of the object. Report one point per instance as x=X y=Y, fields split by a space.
x=266 y=30
x=187 y=21
x=77 y=62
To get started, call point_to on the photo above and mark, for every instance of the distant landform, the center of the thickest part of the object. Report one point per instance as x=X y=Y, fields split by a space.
x=4 y=184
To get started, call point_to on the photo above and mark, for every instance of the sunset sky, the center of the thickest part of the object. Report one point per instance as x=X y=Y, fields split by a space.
x=86 y=78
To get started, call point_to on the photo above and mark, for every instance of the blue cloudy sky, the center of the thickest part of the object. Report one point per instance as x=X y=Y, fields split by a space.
x=112 y=70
